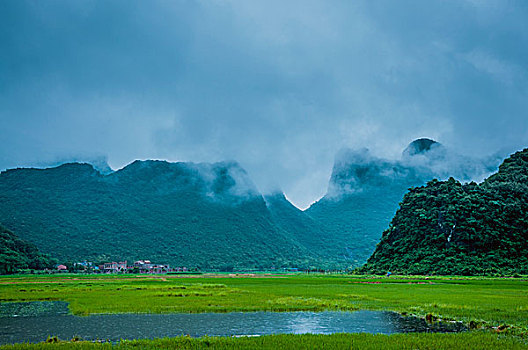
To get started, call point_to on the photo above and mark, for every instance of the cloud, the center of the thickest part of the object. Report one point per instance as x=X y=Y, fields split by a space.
x=501 y=70
x=358 y=170
x=278 y=86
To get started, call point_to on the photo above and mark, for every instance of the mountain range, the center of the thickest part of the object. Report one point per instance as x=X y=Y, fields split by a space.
x=212 y=216
x=364 y=190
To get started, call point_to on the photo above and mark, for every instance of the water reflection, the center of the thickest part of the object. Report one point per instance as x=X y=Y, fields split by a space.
x=34 y=323
x=403 y=324
x=301 y=323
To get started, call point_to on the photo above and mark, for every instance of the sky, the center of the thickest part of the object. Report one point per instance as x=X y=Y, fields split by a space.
x=278 y=86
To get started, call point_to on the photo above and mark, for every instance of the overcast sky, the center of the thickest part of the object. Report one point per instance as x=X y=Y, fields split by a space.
x=279 y=86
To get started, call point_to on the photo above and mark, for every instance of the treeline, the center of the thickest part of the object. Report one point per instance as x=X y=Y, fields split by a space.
x=17 y=254
x=447 y=227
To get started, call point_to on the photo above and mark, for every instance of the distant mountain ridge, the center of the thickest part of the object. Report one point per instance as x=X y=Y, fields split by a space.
x=420 y=146
x=364 y=190
x=202 y=215
x=212 y=216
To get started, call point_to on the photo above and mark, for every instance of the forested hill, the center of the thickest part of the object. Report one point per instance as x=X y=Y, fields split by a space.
x=449 y=228
x=364 y=190
x=209 y=216
x=17 y=254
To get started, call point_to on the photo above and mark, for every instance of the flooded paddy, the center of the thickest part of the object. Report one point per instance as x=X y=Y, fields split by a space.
x=35 y=321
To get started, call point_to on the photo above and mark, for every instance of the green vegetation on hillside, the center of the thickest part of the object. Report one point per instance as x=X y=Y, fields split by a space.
x=446 y=227
x=353 y=223
x=364 y=191
x=17 y=254
x=363 y=195
x=308 y=232
x=195 y=215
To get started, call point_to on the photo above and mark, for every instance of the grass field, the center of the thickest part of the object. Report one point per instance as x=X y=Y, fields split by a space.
x=486 y=302
x=471 y=340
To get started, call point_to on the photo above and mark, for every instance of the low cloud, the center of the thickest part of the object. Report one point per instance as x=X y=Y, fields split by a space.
x=357 y=171
x=278 y=87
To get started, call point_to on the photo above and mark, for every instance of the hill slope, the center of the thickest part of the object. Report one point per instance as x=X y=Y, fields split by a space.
x=449 y=228
x=307 y=231
x=364 y=190
x=16 y=254
x=197 y=215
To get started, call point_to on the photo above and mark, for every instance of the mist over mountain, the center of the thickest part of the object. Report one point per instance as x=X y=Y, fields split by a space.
x=278 y=86
x=358 y=170
x=206 y=215
x=447 y=227
x=212 y=216
x=98 y=162
x=364 y=190
x=421 y=146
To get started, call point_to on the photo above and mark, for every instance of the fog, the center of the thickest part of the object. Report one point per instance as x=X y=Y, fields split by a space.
x=359 y=170
x=280 y=87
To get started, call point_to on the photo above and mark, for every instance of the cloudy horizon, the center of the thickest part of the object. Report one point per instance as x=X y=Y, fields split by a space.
x=279 y=87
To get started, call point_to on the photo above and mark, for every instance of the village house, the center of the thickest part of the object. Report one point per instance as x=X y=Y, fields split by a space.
x=113 y=267
x=143 y=265
x=139 y=266
x=146 y=266
x=160 y=269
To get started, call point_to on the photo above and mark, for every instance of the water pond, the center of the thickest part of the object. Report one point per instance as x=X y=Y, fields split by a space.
x=35 y=321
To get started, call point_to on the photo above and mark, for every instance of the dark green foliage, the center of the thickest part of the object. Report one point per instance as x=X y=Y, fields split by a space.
x=449 y=228
x=17 y=254
x=194 y=215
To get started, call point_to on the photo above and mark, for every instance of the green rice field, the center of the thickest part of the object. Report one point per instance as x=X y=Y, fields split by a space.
x=495 y=308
